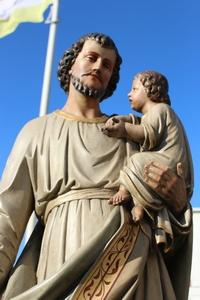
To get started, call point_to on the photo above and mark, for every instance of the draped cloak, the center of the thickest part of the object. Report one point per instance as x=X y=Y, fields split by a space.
x=165 y=142
x=65 y=169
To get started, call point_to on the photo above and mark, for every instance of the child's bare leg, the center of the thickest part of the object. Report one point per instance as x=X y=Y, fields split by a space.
x=120 y=197
x=138 y=213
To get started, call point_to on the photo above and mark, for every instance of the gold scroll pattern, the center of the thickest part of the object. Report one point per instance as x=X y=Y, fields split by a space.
x=110 y=265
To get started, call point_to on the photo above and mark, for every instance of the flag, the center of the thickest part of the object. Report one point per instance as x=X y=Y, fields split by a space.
x=14 y=12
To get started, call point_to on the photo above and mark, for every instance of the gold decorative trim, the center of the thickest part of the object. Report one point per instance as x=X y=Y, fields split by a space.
x=68 y=116
x=101 y=280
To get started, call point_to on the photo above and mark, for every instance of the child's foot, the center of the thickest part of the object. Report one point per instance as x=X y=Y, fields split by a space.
x=122 y=196
x=138 y=213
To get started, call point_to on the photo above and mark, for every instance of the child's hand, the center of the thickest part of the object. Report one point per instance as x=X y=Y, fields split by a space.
x=110 y=122
x=114 y=127
x=123 y=118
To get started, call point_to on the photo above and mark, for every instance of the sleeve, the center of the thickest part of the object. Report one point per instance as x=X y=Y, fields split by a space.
x=154 y=124
x=16 y=202
x=136 y=120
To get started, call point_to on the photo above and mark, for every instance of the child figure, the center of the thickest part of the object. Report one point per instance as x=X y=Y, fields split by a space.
x=160 y=135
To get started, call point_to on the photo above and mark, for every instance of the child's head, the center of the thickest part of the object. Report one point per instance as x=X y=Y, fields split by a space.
x=155 y=85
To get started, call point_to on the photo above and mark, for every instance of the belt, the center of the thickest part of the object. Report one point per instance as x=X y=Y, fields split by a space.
x=96 y=193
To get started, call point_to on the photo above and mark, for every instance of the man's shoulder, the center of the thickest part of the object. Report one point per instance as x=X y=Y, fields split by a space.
x=37 y=123
x=34 y=127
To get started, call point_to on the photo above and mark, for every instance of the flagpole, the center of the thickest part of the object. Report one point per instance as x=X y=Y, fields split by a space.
x=46 y=85
x=49 y=59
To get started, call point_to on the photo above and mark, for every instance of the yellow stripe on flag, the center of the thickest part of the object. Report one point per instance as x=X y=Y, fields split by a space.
x=32 y=13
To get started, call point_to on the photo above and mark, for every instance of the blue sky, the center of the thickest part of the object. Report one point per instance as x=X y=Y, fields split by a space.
x=157 y=34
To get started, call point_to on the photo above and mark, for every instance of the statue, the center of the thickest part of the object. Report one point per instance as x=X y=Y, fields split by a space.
x=66 y=169
x=161 y=137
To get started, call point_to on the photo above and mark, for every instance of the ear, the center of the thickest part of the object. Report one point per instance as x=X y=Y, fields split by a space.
x=70 y=72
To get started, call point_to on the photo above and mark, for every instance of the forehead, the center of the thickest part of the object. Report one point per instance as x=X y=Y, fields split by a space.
x=136 y=81
x=105 y=53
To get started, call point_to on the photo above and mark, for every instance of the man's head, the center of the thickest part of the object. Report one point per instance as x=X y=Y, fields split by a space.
x=155 y=85
x=67 y=66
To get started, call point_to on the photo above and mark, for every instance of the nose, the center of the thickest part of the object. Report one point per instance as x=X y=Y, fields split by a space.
x=129 y=94
x=97 y=65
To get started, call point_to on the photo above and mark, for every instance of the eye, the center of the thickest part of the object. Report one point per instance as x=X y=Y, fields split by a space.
x=107 y=65
x=91 y=58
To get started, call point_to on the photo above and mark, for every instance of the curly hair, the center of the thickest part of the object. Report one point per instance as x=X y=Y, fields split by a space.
x=156 y=86
x=71 y=54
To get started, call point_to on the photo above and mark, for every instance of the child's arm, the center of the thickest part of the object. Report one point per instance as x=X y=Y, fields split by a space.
x=115 y=119
x=116 y=127
x=134 y=132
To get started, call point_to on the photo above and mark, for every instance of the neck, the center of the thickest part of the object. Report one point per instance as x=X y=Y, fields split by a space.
x=82 y=106
x=148 y=106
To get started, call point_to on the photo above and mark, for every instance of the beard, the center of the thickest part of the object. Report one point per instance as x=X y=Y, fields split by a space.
x=86 y=90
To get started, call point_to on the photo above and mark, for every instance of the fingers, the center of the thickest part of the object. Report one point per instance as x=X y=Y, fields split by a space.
x=160 y=178
x=161 y=183
x=109 y=126
x=110 y=122
x=110 y=133
x=156 y=172
x=115 y=120
x=167 y=184
x=105 y=131
x=114 y=128
x=156 y=168
x=108 y=130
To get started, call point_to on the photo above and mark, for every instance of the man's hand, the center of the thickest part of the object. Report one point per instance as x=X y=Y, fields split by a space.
x=114 y=127
x=167 y=184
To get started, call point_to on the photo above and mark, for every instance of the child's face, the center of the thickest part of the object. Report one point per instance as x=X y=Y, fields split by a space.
x=137 y=96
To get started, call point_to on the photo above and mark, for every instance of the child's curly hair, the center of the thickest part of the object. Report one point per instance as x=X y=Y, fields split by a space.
x=156 y=86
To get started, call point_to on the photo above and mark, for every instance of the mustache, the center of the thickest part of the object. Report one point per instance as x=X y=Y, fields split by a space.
x=85 y=90
x=94 y=73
